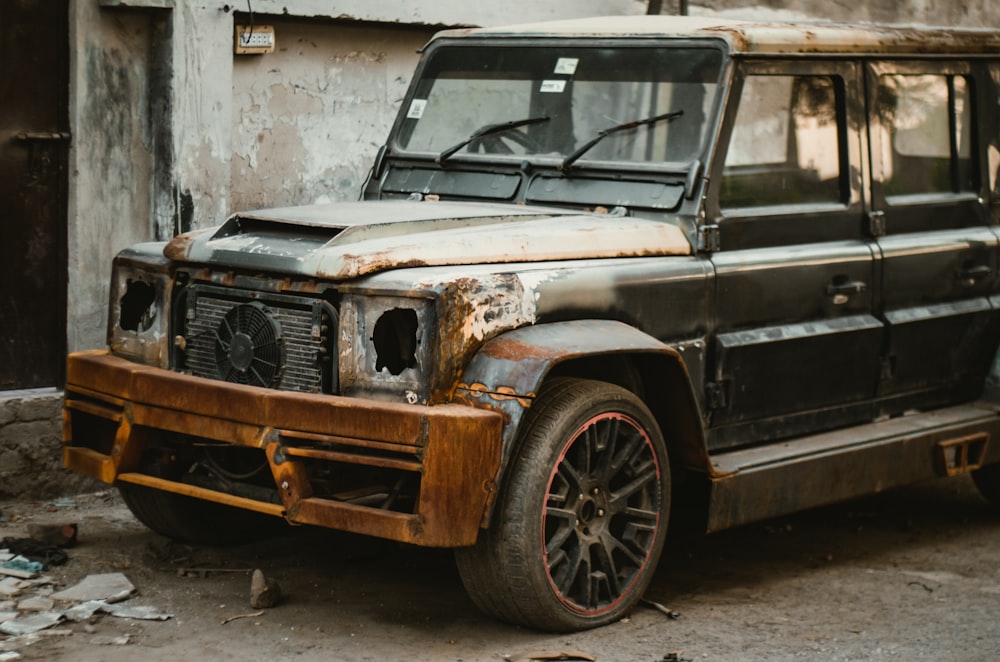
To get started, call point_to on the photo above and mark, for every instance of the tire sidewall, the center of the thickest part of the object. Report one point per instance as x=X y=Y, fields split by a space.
x=544 y=442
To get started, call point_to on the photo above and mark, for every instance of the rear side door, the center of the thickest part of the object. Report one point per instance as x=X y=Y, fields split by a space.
x=797 y=345
x=939 y=253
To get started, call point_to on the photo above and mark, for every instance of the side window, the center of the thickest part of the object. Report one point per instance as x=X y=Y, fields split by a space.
x=926 y=121
x=786 y=144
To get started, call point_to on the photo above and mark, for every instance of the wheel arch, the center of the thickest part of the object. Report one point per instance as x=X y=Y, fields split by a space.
x=508 y=371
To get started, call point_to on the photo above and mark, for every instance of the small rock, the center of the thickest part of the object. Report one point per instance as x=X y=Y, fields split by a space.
x=264 y=591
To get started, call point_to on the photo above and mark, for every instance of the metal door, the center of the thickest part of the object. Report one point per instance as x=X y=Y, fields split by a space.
x=938 y=250
x=797 y=343
x=34 y=142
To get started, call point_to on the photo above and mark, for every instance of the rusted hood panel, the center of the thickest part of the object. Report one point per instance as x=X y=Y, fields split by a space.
x=346 y=240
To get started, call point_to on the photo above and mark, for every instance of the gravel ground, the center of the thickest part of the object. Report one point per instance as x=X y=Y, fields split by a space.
x=913 y=574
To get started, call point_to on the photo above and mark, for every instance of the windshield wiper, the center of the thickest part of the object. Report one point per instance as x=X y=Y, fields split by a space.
x=601 y=135
x=489 y=130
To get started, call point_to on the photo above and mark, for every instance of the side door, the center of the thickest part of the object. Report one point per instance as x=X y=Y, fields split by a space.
x=797 y=343
x=939 y=253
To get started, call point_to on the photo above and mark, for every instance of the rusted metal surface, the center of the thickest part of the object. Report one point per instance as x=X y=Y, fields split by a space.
x=840 y=465
x=454 y=451
x=348 y=240
x=449 y=318
x=756 y=38
x=508 y=372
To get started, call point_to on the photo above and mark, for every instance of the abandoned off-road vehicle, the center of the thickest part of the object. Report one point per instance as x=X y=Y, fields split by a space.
x=605 y=271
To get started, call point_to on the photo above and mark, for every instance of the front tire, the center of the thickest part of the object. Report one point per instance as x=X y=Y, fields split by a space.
x=581 y=523
x=194 y=521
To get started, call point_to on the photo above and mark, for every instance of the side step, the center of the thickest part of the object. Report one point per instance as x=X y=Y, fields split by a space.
x=767 y=481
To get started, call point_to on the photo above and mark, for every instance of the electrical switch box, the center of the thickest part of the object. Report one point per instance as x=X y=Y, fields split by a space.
x=254 y=39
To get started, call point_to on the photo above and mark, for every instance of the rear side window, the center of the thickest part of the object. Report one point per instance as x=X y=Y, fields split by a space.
x=926 y=122
x=786 y=144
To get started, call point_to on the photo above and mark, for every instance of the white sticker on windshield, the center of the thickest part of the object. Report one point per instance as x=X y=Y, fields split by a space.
x=553 y=86
x=416 y=110
x=566 y=65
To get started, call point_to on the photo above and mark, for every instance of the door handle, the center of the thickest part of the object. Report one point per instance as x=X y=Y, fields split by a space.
x=846 y=288
x=972 y=275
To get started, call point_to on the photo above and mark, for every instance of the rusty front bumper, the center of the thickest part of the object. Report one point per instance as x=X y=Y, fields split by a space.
x=113 y=405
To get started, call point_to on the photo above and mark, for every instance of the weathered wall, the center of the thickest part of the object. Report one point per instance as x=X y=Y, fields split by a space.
x=110 y=157
x=173 y=132
x=30 y=455
x=971 y=13
x=308 y=119
x=447 y=12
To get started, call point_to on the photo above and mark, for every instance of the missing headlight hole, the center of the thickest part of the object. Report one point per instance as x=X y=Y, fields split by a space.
x=136 y=310
x=395 y=339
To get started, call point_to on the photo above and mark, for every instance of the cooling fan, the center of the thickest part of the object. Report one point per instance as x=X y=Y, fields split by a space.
x=248 y=346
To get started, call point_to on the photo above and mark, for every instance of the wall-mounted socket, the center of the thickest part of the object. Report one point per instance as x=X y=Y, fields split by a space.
x=254 y=39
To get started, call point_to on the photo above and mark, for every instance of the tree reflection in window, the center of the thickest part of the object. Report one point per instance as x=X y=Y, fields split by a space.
x=786 y=146
x=925 y=122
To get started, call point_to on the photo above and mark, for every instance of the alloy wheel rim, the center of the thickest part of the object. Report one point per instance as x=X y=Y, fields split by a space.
x=601 y=514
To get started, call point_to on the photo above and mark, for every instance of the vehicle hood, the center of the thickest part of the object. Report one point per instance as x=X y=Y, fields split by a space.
x=346 y=240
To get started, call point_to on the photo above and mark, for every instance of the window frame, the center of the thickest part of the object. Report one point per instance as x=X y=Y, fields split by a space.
x=787 y=224
x=935 y=210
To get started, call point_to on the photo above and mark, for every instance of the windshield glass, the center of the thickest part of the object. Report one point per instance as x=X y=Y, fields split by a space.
x=580 y=90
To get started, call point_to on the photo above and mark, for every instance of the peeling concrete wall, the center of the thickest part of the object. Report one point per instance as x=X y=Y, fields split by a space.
x=173 y=132
x=30 y=447
x=969 y=13
x=447 y=12
x=308 y=119
x=110 y=157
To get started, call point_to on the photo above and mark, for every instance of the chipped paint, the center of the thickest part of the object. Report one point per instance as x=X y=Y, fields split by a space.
x=751 y=37
x=371 y=237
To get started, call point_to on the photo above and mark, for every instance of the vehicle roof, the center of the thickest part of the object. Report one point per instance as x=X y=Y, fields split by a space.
x=764 y=38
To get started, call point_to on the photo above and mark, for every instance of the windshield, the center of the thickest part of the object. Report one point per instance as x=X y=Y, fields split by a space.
x=582 y=91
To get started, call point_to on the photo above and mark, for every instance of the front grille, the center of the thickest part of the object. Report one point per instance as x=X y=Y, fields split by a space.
x=272 y=340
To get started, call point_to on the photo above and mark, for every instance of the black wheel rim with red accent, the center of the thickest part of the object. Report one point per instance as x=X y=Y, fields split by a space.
x=602 y=513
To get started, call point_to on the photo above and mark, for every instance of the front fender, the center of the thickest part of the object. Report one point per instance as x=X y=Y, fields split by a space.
x=507 y=372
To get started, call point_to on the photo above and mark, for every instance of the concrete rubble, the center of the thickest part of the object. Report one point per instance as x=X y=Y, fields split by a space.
x=30 y=607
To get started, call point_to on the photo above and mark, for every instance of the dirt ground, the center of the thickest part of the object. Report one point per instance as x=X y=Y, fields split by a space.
x=913 y=574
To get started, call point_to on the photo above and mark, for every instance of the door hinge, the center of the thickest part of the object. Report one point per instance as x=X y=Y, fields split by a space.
x=708 y=238
x=876 y=223
x=717 y=394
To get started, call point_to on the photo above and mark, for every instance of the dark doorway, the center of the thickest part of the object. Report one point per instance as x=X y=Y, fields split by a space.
x=34 y=143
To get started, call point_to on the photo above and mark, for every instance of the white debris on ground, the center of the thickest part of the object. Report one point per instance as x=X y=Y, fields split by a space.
x=30 y=608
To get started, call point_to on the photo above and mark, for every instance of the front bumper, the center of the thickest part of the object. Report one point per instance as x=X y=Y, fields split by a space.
x=113 y=406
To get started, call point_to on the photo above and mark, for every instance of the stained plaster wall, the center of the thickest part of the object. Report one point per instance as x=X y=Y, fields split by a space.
x=173 y=132
x=308 y=118
x=969 y=13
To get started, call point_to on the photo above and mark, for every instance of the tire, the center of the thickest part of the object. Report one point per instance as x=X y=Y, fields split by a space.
x=987 y=480
x=194 y=521
x=581 y=522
